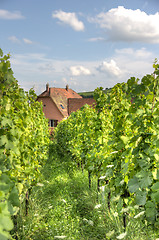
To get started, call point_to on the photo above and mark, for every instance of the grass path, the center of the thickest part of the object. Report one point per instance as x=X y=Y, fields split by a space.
x=63 y=207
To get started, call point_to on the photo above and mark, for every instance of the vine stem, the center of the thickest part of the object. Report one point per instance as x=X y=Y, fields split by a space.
x=89 y=179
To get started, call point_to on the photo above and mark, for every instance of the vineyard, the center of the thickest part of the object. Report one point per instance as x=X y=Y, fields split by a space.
x=98 y=176
x=118 y=142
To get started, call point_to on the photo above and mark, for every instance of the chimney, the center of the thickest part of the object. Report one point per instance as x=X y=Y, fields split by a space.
x=67 y=87
x=47 y=87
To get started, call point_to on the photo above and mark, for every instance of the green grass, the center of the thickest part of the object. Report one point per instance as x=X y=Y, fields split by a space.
x=63 y=207
x=86 y=94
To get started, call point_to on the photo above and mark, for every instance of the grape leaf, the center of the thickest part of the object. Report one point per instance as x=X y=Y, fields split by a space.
x=133 y=184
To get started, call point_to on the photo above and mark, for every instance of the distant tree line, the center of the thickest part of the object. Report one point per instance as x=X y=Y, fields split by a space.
x=91 y=94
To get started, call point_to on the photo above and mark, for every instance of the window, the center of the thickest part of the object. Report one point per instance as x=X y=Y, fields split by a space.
x=53 y=123
x=61 y=106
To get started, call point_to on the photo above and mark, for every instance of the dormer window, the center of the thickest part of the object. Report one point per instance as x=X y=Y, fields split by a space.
x=61 y=106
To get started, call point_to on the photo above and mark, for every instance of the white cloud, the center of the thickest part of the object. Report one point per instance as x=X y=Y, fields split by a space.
x=141 y=53
x=14 y=39
x=110 y=68
x=34 y=69
x=79 y=70
x=129 y=25
x=136 y=62
x=69 y=19
x=95 y=39
x=5 y=14
x=27 y=41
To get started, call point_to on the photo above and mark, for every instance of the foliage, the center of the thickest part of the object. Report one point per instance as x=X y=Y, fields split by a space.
x=24 y=142
x=118 y=142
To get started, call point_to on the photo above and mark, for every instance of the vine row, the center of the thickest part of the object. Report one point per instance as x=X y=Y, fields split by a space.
x=118 y=141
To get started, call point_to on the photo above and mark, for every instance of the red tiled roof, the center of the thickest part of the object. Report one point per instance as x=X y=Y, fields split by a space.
x=76 y=103
x=60 y=96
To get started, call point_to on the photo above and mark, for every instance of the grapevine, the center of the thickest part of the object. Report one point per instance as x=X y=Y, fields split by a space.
x=118 y=141
x=24 y=140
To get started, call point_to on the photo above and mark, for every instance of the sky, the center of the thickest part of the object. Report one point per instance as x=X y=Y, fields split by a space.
x=85 y=44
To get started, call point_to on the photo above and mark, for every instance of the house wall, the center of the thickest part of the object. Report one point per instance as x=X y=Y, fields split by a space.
x=49 y=108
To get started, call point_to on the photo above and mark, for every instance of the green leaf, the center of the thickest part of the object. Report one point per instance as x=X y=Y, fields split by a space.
x=145 y=179
x=150 y=211
x=154 y=173
x=156 y=112
x=144 y=161
x=133 y=184
x=6 y=222
x=155 y=197
x=20 y=187
x=6 y=121
x=140 y=111
x=10 y=145
x=6 y=179
x=4 y=235
x=131 y=81
x=156 y=156
x=14 y=198
x=4 y=187
x=3 y=140
x=155 y=186
x=124 y=139
x=141 y=198
x=8 y=106
x=90 y=168
x=1 y=52
x=146 y=80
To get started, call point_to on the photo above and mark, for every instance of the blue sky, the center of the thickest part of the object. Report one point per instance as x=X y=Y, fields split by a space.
x=85 y=44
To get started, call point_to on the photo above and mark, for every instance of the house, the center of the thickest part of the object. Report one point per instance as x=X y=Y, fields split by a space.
x=54 y=102
x=58 y=103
